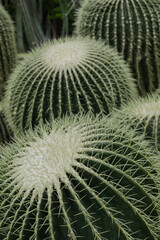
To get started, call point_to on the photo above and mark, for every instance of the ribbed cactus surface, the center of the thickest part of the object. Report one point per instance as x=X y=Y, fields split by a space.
x=7 y=47
x=5 y=132
x=67 y=76
x=81 y=177
x=133 y=28
x=143 y=115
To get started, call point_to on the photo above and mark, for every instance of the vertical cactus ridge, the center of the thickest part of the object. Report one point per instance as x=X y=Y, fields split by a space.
x=56 y=180
x=142 y=114
x=7 y=47
x=67 y=76
x=133 y=28
x=5 y=132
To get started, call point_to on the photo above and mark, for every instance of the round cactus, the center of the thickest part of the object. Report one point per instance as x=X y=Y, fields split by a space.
x=143 y=115
x=133 y=28
x=67 y=76
x=80 y=177
x=7 y=47
x=5 y=132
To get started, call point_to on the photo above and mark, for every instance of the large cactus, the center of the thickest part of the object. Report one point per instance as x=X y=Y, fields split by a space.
x=7 y=47
x=143 y=115
x=133 y=28
x=80 y=177
x=67 y=76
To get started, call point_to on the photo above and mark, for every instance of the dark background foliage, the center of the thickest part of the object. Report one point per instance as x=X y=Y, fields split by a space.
x=39 y=20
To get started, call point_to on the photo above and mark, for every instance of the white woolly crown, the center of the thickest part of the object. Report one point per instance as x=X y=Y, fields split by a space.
x=40 y=164
x=142 y=108
x=65 y=54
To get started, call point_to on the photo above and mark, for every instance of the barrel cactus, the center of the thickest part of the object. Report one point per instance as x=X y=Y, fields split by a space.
x=79 y=177
x=143 y=115
x=5 y=132
x=67 y=76
x=133 y=28
x=7 y=47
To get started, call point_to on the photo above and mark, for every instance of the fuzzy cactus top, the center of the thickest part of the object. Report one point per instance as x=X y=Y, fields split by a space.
x=67 y=76
x=143 y=114
x=79 y=177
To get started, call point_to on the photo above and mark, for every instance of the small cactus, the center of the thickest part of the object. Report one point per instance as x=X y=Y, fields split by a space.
x=133 y=28
x=7 y=48
x=143 y=115
x=67 y=76
x=79 y=177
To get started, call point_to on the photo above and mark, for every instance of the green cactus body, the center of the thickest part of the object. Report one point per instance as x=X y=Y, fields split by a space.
x=7 y=47
x=133 y=28
x=81 y=178
x=144 y=116
x=5 y=132
x=67 y=76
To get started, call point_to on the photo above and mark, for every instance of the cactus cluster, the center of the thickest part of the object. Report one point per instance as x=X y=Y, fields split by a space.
x=133 y=28
x=80 y=177
x=67 y=76
x=7 y=47
x=143 y=115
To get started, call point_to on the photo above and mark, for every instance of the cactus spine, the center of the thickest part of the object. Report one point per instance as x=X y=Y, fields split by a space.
x=67 y=76
x=133 y=28
x=144 y=116
x=56 y=180
x=7 y=47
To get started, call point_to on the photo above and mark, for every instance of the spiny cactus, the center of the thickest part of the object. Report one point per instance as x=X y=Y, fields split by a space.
x=67 y=76
x=133 y=28
x=5 y=132
x=142 y=114
x=80 y=177
x=7 y=47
